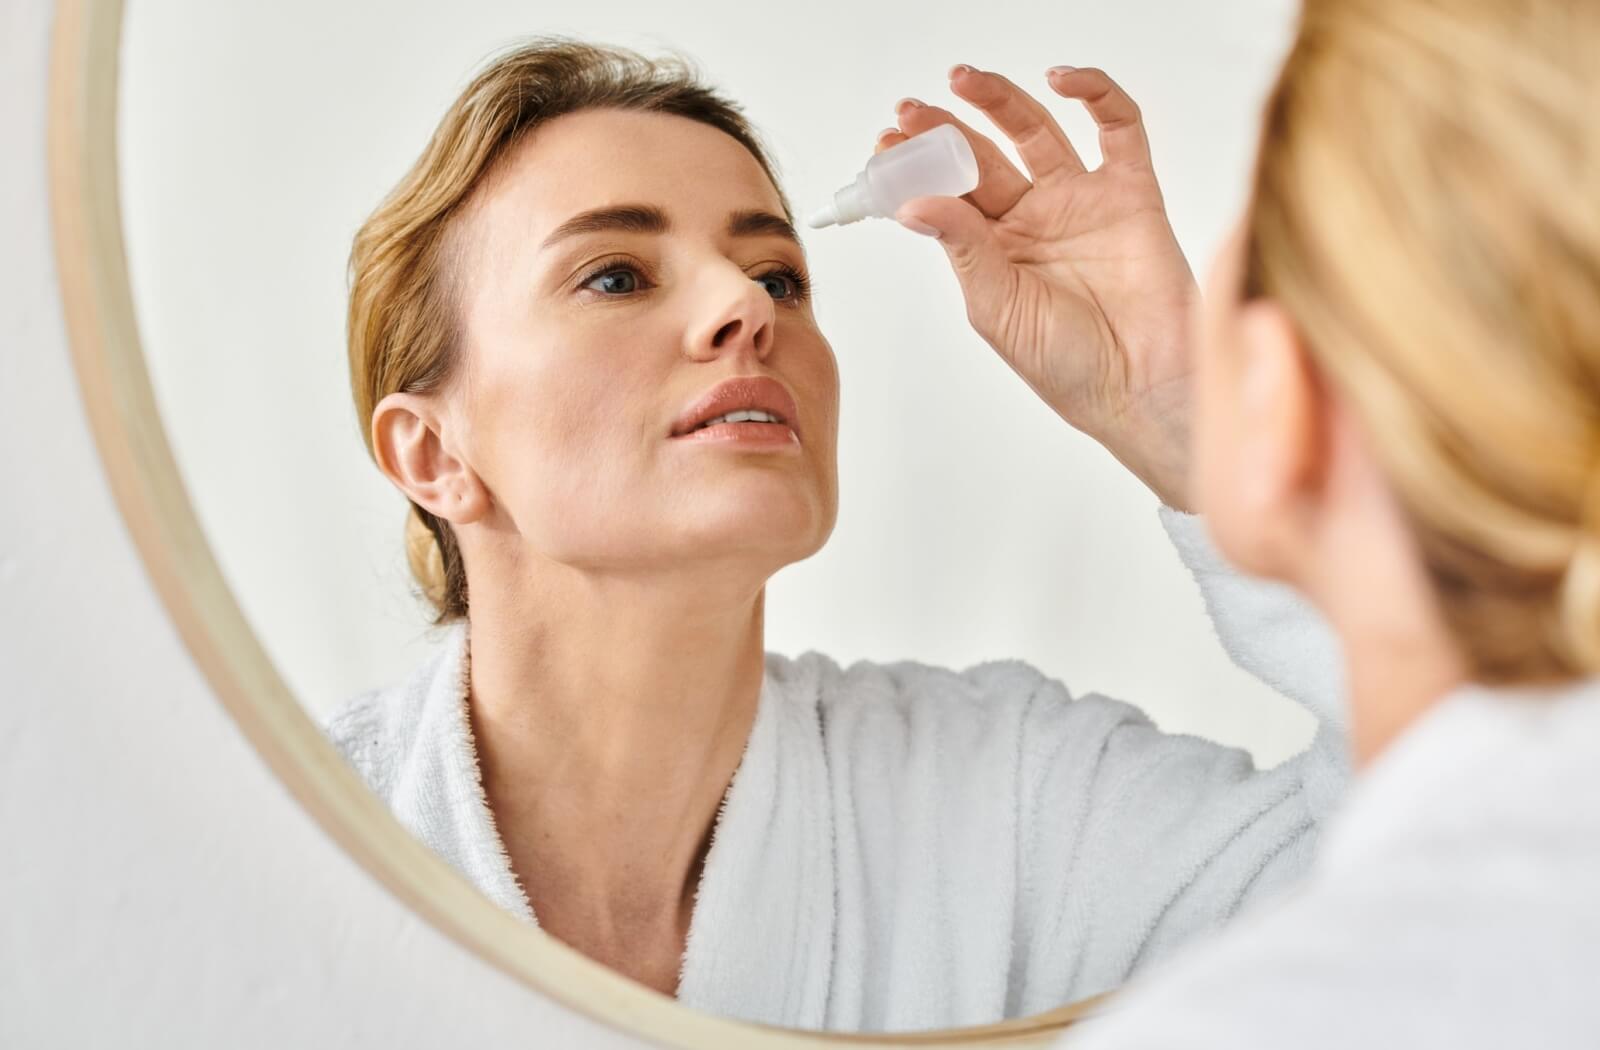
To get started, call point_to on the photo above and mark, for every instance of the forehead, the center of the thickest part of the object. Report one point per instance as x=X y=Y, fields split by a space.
x=578 y=161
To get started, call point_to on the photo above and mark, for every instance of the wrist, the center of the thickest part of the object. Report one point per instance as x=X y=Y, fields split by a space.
x=1154 y=446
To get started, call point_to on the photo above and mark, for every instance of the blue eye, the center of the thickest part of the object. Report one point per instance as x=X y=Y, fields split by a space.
x=615 y=281
x=778 y=286
x=785 y=284
x=788 y=282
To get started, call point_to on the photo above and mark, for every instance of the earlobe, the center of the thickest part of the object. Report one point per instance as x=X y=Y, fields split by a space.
x=409 y=450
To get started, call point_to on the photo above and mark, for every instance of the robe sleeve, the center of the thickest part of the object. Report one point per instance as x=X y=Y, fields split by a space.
x=1133 y=841
x=1267 y=628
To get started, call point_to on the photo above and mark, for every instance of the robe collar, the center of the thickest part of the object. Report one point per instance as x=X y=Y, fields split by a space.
x=760 y=943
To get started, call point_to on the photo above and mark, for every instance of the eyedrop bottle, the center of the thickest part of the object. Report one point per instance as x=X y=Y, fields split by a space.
x=937 y=163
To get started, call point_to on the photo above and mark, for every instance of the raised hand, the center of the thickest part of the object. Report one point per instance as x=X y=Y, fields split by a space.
x=1075 y=276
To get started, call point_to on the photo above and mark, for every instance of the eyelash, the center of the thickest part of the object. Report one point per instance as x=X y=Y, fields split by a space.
x=801 y=282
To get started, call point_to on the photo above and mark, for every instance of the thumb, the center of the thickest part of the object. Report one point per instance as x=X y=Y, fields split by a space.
x=978 y=259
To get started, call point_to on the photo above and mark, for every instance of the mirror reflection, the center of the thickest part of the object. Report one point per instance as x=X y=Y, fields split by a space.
x=807 y=624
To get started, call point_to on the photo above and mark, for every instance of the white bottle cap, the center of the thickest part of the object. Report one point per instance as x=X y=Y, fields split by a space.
x=851 y=204
x=823 y=216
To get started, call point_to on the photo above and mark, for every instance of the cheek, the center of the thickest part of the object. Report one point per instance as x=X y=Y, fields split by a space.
x=565 y=430
x=826 y=386
x=822 y=395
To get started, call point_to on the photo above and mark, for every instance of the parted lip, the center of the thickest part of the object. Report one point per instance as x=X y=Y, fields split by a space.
x=741 y=392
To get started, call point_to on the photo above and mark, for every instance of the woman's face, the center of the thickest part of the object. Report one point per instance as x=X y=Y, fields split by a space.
x=589 y=343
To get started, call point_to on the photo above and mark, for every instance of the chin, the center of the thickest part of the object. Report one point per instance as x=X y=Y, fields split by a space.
x=781 y=523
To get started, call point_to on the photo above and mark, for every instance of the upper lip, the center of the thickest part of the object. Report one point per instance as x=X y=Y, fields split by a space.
x=741 y=392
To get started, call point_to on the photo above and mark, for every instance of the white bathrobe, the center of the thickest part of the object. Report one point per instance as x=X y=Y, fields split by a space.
x=1454 y=902
x=908 y=847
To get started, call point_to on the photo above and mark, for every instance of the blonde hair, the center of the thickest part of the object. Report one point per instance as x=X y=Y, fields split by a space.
x=1427 y=207
x=403 y=330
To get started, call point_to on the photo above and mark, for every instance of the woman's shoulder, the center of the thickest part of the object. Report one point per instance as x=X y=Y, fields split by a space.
x=364 y=730
x=357 y=723
x=376 y=728
x=911 y=700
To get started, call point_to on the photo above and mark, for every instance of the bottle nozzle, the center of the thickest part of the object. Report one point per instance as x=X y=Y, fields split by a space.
x=826 y=215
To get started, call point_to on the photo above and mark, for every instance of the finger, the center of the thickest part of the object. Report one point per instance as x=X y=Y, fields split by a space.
x=1000 y=184
x=980 y=263
x=1122 y=135
x=888 y=137
x=1040 y=142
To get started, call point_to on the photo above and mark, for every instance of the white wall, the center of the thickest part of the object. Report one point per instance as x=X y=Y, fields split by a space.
x=160 y=889
x=974 y=524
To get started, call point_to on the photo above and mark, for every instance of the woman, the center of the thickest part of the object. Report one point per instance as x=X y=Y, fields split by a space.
x=1401 y=373
x=592 y=264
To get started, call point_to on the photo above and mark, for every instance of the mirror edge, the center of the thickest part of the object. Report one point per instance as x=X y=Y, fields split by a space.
x=108 y=361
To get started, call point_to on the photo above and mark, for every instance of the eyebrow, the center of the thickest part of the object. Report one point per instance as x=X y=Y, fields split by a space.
x=647 y=218
x=758 y=223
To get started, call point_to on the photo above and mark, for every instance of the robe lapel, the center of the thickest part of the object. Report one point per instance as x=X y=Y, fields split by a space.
x=760 y=943
x=440 y=792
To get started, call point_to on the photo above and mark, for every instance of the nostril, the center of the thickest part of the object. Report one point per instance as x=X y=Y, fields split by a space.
x=726 y=332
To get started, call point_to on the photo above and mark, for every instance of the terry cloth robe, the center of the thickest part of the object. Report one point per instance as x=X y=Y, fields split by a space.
x=1454 y=902
x=907 y=847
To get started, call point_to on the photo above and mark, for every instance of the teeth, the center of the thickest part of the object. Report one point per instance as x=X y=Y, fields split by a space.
x=743 y=416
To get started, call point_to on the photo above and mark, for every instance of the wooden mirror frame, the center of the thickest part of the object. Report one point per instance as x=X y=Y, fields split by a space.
x=115 y=385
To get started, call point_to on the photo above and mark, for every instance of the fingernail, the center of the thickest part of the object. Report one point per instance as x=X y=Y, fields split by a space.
x=912 y=102
x=886 y=132
x=916 y=226
x=1063 y=70
x=963 y=68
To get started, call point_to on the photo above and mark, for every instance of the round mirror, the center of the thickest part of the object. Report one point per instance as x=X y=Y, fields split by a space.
x=731 y=740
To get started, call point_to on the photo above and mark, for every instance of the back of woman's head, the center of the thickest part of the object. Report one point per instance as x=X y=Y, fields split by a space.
x=1427 y=208
x=403 y=328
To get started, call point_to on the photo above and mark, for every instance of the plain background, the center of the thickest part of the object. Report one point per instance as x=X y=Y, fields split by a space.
x=974 y=524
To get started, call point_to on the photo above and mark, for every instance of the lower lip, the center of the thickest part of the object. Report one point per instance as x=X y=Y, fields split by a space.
x=745 y=435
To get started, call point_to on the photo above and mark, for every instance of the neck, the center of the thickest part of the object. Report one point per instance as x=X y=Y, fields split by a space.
x=1394 y=679
x=1400 y=658
x=610 y=713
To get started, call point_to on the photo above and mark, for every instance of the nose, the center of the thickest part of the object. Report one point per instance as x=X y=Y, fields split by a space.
x=740 y=318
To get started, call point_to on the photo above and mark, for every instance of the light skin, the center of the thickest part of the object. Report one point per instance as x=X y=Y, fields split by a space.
x=616 y=576
x=1072 y=275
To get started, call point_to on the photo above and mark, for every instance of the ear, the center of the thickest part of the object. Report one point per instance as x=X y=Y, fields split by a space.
x=409 y=442
x=1281 y=444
